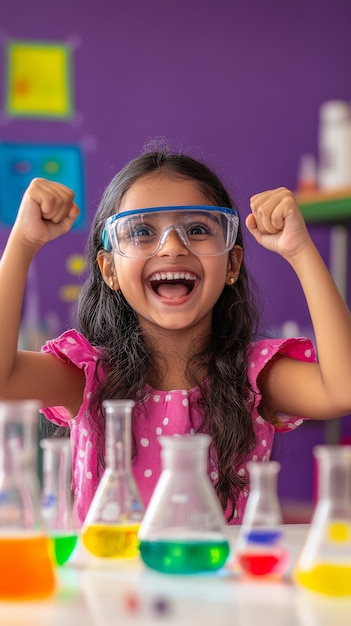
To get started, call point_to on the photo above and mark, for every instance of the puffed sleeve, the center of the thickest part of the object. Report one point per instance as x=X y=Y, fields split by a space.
x=262 y=352
x=72 y=347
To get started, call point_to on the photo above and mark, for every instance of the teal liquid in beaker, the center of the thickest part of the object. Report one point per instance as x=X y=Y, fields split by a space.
x=185 y=557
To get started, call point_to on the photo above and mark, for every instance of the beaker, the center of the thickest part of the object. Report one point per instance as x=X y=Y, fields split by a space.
x=259 y=549
x=26 y=569
x=184 y=530
x=111 y=526
x=324 y=565
x=56 y=499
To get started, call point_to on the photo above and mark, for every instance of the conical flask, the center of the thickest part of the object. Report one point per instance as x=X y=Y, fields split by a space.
x=259 y=550
x=57 y=500
x=26 y=569
x=111 y=526
x=184 y=530
x=324 y=565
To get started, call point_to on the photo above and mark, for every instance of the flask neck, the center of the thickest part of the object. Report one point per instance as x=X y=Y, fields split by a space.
x=334 y=469
x=263 y=477
x=57 y=471
x=17 y=448
x=118 y=442
x=185 y=454
x=185 y=460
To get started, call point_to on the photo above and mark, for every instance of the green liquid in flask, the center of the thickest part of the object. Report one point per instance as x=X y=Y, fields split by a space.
x=185 y=557
x=63 y=544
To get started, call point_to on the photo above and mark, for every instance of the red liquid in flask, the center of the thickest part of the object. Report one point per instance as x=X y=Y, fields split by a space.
x=263 y=563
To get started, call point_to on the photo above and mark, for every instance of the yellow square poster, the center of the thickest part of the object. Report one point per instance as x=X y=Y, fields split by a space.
x=38 y=79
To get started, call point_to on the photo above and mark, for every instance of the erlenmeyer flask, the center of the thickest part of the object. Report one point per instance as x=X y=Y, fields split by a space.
x=259 y=550
x=324 y=565
x=26 y=569
x=184 y=530
x=57 y=500
x=111 y=526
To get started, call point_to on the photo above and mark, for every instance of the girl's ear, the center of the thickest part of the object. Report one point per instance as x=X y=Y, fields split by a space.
x=105 y=262
x=234 y=264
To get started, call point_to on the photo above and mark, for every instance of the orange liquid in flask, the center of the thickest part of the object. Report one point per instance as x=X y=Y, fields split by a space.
x=26 y=569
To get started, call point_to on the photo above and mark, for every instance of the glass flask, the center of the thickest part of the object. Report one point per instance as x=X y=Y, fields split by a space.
x=26 y=568
x=184 y=530
x=324 y=565
x=111 y=526
x=57 y=498
x=259 y=549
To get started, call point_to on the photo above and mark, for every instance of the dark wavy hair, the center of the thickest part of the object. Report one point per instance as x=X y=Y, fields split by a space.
x=108 y=322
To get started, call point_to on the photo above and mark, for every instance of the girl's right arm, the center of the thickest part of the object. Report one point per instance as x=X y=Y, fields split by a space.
x=47 y=211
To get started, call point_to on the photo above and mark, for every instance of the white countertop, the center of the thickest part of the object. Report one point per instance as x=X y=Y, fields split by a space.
x=95 y=592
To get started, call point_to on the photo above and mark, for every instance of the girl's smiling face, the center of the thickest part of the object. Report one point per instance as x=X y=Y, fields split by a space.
x=175 y=289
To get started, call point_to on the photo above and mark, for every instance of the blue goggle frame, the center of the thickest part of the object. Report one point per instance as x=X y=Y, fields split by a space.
x=105 y=238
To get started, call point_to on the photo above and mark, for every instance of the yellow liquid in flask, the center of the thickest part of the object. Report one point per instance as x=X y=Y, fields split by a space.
x=326 y=578
x=112 y=541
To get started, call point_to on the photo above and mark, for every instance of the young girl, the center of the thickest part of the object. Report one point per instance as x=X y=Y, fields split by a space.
x=166 y=318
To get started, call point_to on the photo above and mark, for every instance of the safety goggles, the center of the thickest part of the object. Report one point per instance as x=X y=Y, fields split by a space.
x=141 y=233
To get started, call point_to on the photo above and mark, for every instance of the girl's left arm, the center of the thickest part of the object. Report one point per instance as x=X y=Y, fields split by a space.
x=316 y=391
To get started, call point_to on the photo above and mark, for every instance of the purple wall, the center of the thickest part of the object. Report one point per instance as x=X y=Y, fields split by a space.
x=238 y=83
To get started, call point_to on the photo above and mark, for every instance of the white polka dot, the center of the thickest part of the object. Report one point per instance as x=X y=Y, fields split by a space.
x=159 y=430
x=168 y=397
x=242 y=471
x=79 y=463
x=192 y=431
x=259 y=419
x=308 y=354
x=82 y=453
x=291 y=425
x=89 y=444
x=84 y=432
x=144 y=442
x=264 y=351
x=184 y=392
x=298 y=422
x=236 y=514
x=165 y=421
x=245 y=493
x=148 y=473
x=156 y=398
x=264 y=442
x=185 y=402
x=252 y=364
x=71 y=340
x=89 y=475
x=254 y=457
x=214 y=475
x=89 y=395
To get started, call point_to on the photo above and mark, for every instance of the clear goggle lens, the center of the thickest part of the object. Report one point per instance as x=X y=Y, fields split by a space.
x=204 y=230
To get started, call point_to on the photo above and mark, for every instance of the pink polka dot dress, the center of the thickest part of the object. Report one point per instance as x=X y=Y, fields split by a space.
x=172 y=413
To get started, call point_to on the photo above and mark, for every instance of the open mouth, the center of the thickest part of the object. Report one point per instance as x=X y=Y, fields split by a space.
x=173 y=284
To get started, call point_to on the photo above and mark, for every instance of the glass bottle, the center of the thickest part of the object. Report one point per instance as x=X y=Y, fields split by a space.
x=57 y=500
x=259 y=550
x=184 y=530
x=324 y=565
x=111 y=526
x=26 y=569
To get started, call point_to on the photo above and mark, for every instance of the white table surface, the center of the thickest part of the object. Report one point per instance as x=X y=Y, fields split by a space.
x=94 y=592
